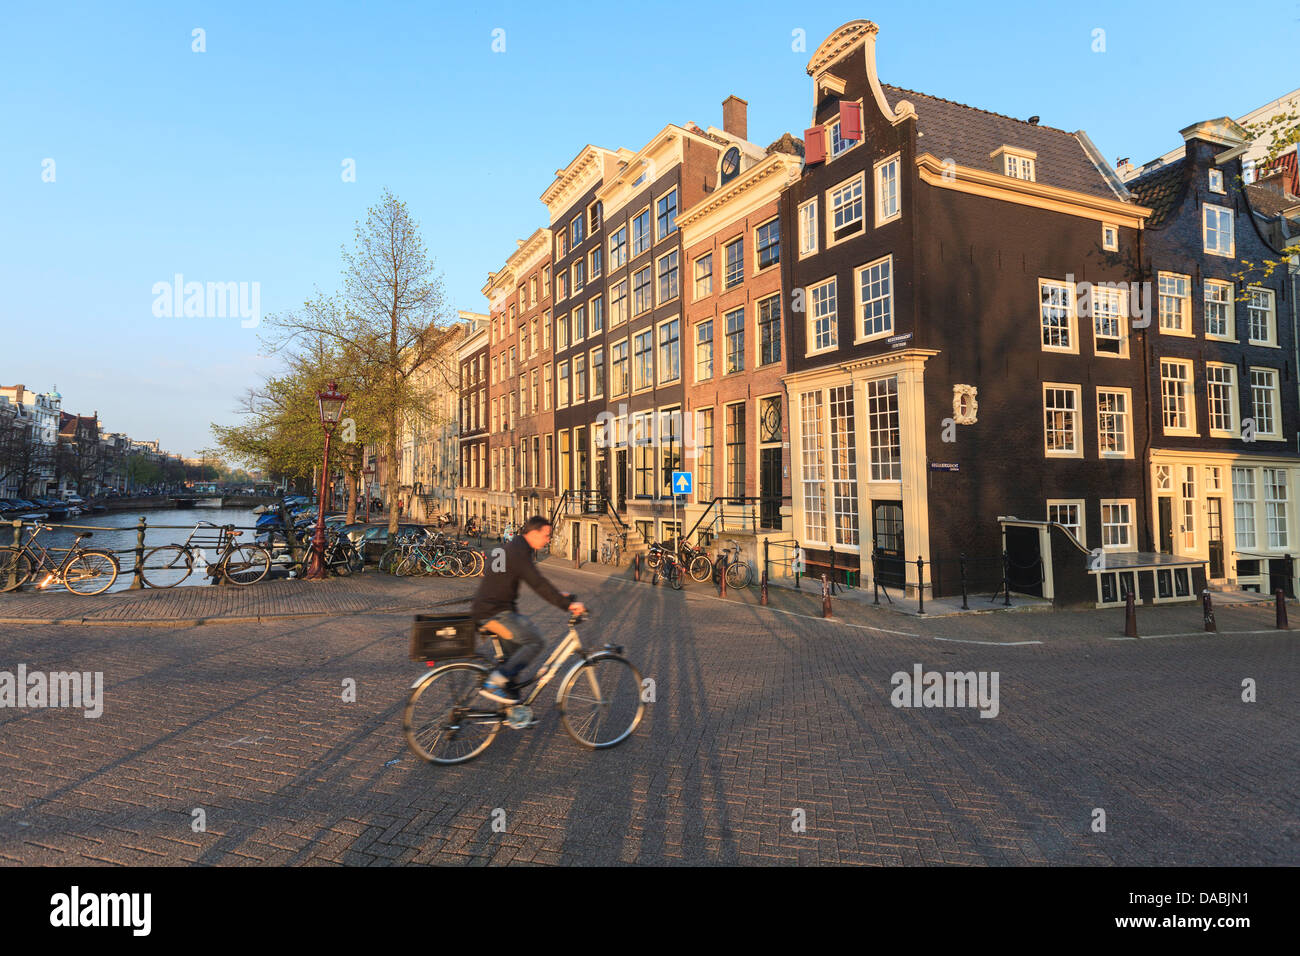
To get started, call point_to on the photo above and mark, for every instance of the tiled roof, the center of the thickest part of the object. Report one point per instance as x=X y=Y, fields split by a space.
x=1161 y=190
x=969 y=136
x=1270 y=202
x=791 y=145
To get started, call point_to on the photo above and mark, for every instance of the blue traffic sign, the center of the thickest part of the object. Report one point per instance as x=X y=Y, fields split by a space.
x=682 y=482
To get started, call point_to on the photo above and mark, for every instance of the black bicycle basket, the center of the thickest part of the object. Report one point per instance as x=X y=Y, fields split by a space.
x=436 y=637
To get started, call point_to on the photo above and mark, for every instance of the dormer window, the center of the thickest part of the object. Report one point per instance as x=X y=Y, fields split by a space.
x=1016 y=163
x=1216 y=181
x=1109 y=237
x=840 y=145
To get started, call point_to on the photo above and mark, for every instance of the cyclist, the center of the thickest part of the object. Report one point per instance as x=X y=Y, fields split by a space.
x=495 y=605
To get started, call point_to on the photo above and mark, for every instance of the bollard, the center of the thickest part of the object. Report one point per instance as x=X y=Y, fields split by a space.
x=1006 y=579
x=964 y=605
x=636 y=567
x=798 y=566
x=1280 y=599
x=762 y=589
x=1207 y=607
x=920 y=583
x=577 y=558
x=137 y=579
x=826 y=597
x=18 y=543
x=1130 y=616
x=875 y=577
x=834 y=589
x=721 y=566
x=766 y=542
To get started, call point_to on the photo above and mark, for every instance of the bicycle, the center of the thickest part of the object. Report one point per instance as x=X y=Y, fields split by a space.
x=671 y=570
x=611 y=550
x=737 y=571
x=447 y=722
x=239 y=564
x=82 y=571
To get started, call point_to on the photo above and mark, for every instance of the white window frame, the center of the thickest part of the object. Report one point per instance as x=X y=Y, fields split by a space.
x=695 y=350
x=810 y=341
x=1184 y=328
x=1230 y=303
x=808 y=226
x=1109 y=237
x=1274 y=403
x=1215 y=181
x=771 y=265
x=659 y=371
x=562 y=376
x=1189 y=395
x=592 y=365
x=632 y=358
x=626 y=342
x=878 y=174
x=859 y=181
x=1099 y=293
x=1219 y=213
x=1276 y=541
x=1078 y=503
x=859 y=305
x=1071 y=317
x=625 y=231
x=1271 y=298
x=1234 y=415
x=1076 y=449
x=656 y=277
x=1127 y=432
x=832 y=133
x=649 y=233
x=697 y=295
x=1131 y=524
x=654 y=214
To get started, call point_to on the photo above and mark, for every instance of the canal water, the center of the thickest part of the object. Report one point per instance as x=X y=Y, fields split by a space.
x=116 y=531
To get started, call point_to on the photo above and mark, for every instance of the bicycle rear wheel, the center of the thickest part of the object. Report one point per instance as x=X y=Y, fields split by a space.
x=389 y=560
x=246 y=564
x=446 y=721
x=600 y=701
x=166 y=566
x=15 y=568
x=91 y=572
x=701 y=568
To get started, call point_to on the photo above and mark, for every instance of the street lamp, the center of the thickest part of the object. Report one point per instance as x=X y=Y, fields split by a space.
x=367 y=475
x=331 y=413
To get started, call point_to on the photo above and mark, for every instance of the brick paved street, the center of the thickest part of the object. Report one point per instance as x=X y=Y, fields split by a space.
x=759 y=713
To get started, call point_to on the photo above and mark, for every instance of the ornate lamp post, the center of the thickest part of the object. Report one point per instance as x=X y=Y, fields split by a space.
x=331 y=413
x=367 y=474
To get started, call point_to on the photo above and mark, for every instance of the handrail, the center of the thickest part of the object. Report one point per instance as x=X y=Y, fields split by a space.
x=725 y=500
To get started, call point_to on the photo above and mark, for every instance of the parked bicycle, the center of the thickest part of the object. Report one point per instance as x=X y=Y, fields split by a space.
x=238 y=563
x=82 y=571
x=737 y=571
x=447 y=722
x=611 y=550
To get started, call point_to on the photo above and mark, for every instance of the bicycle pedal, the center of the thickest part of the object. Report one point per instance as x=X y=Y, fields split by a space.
x=519 y=717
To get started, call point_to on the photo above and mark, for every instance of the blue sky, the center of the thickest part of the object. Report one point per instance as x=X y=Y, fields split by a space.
x=226 y=165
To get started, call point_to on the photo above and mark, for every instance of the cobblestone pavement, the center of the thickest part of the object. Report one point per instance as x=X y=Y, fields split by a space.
x=762 y=717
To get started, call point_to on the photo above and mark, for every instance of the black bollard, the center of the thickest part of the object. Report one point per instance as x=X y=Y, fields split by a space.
x=137 y=580
x=826 y=597
x=1207 y=607
x=964 y=605
x=1006 y=578
x=1130 y=616
x=721 y=566
x=875 y=577
x=762 y=589
x=636 y=567
x=1280 y=599
x=920 y=583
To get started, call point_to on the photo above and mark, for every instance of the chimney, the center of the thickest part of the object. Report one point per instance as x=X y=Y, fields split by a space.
x=735 y=116
x=1123 y=166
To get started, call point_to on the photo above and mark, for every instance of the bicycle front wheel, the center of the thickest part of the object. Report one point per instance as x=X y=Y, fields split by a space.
x=389 y=560
x=91 y=572
x=701 y=568
x=166 y=566
x=675 y=576
x=15 y=568
x=446 y=721
x=738 y=575
x=246 y=564
x=600 y=701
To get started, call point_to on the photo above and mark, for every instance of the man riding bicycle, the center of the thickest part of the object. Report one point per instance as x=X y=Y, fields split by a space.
x=495 y=606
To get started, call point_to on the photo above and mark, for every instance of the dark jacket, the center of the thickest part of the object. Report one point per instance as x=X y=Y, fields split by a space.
x=499 y=590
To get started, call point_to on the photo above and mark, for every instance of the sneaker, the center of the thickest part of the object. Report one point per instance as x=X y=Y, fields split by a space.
x=496 y=689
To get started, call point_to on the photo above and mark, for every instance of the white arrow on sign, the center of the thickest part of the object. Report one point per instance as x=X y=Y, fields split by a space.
x=682 y=483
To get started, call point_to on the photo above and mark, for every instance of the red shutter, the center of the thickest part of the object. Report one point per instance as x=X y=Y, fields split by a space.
x=850 y=121
x=814 y=145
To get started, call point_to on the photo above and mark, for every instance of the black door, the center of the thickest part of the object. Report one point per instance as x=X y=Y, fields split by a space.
x=602 y=473
x=887 y=536
x=620 y=478
x=1024 y=561
x=1215 y=522
x=769 y=487
x=1166 y=538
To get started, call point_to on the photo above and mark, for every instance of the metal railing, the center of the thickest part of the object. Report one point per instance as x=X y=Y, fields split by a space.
x=751 y=517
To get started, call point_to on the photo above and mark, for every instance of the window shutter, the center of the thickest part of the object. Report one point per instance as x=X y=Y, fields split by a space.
x=850 y=121
x=814 y=145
